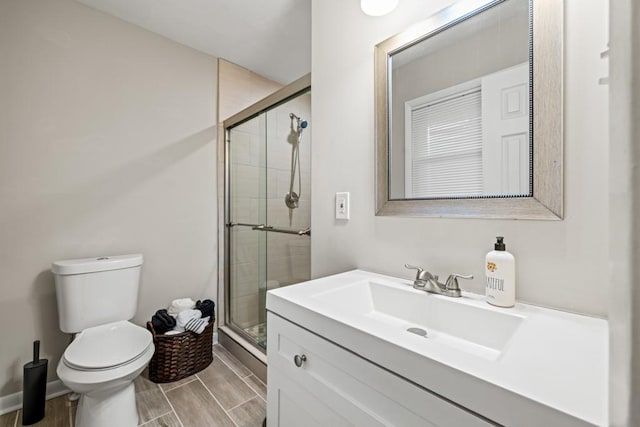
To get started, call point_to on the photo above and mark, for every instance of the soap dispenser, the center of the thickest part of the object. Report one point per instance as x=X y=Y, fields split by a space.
x=500 y=269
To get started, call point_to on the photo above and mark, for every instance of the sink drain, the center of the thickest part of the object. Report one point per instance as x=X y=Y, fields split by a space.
x=418 y=331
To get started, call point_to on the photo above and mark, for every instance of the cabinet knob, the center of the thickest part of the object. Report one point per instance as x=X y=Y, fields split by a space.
x=299 y=359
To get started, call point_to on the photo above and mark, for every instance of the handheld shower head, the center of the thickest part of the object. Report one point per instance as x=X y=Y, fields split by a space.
x=300 y=124
x=291 y=198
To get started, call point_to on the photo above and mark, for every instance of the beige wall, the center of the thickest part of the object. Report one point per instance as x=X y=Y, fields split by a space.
x=560 y=263
x=107 y=146
x=239 y=88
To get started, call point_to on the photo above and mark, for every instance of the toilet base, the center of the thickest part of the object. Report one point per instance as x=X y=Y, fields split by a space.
x=108 y=408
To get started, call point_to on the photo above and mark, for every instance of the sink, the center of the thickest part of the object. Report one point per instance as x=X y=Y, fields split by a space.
x=409 y=313
x=494 y=361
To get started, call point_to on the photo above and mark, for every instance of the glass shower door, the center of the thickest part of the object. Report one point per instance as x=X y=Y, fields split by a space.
x=269 y=211
x=289 y=170
x=247 y=209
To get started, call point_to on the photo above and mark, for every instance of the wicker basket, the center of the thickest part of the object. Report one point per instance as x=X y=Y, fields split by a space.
x=180 y=355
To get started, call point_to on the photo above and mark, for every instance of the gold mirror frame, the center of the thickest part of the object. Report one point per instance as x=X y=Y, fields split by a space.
x=546 y=203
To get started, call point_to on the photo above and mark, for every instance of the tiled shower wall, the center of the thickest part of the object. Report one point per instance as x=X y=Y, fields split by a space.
x=261 y=156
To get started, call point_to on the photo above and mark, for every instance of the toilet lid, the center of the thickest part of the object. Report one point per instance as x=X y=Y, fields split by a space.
x=107 y=346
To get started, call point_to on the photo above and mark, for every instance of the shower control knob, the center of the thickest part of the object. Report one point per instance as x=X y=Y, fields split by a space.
x=299 y=359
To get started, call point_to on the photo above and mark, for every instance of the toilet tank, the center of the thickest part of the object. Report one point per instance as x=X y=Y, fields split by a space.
x=95 y=291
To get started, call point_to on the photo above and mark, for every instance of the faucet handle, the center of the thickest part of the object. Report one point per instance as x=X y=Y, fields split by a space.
x=421 y=275
x=413 y=267
x=452 y=280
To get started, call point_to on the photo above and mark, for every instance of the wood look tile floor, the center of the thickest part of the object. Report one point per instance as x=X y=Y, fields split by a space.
x=226 y=394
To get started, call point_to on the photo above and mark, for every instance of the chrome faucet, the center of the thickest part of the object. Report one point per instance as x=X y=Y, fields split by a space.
x=427 y=282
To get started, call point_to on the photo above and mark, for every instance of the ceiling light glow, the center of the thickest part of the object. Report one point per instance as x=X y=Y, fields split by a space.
x=378 y=7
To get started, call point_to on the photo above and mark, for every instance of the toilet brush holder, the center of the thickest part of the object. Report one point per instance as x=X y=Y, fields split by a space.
x=34 y=388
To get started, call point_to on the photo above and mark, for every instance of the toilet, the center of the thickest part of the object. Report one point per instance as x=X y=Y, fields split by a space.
x=96 y=299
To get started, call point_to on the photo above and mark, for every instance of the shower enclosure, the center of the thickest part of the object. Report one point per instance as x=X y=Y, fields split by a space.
x=267 y=207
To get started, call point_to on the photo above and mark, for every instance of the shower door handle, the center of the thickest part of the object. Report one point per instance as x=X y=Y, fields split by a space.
x=299 y=360
x=262 y=227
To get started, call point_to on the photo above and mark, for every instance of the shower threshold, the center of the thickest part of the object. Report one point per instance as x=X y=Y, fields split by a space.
x=243 y=348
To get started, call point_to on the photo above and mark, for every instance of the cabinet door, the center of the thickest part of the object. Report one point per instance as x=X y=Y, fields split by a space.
x=289 y=404
x=335 y=387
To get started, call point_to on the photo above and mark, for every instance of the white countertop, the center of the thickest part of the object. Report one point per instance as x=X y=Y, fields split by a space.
x=553 y=371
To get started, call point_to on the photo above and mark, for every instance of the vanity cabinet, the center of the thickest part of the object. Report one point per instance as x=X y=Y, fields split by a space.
x=314 y=382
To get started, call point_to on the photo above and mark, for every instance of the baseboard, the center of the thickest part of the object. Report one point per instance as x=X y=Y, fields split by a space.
x=13 y=401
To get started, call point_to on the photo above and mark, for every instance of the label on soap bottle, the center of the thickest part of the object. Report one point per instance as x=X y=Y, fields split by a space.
x=495 y=284
x=500 y=282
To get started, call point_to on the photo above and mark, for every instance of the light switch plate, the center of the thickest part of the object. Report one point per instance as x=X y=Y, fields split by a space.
x=342 y=205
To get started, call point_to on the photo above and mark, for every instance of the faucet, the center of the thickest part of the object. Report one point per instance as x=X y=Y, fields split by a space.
x=427 y=282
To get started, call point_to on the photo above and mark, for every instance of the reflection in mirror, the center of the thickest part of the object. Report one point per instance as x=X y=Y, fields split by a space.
x=459 y=110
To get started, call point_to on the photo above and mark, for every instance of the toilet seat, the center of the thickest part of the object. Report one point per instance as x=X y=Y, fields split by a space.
x=107 y=347
x=87 y=381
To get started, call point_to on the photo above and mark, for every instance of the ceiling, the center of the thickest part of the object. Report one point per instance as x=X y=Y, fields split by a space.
x=272 y=38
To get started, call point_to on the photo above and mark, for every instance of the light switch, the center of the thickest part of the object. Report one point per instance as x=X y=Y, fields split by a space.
x=342 y=205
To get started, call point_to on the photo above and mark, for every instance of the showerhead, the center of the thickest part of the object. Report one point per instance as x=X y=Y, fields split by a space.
x=302 y=123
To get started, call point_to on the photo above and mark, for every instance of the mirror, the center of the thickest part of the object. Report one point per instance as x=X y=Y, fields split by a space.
x=468 y=113
x=459 y=116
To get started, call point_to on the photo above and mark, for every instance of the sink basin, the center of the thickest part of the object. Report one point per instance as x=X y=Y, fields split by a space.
x=400 y=309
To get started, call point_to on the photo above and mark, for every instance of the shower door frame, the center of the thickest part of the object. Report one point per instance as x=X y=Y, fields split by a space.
x=230 y=331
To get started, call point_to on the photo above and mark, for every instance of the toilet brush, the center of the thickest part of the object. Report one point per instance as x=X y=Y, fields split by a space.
x=34 y=388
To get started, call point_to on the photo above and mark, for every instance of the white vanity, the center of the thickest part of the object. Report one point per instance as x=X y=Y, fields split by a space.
x=340 y=353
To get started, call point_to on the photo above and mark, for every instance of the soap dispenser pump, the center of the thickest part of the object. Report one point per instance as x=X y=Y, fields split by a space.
x=500 y=269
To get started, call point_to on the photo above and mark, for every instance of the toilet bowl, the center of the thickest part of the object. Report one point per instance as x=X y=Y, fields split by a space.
x=101 y=365
x=96 y=299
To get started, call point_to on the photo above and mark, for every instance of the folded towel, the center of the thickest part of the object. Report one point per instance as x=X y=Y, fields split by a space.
x=181 y=304
x=162 y=321
x=184 y=317
x=206 y=307
x=197 y=325
x=191 y=320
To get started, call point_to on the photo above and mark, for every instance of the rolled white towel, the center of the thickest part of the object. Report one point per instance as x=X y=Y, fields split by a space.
x=179 y=305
